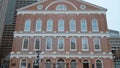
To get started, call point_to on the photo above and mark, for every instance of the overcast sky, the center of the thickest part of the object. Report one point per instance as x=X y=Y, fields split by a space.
x=113 y=13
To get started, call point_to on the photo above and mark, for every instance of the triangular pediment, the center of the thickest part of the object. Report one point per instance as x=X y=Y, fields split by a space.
x=74 y=5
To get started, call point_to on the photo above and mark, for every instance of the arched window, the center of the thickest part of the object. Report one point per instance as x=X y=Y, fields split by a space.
x=50 y=25
x=60 y=63
x=61 y=7
x=25 y=44
x=23 y=64
x=49 y=43
x=60 y=25
x=37 y=43
x=95 y=25
x=83 y=25
x=73 y=43
x=85 y=44
x=72 y=25
x=38 y=25
x=60 y=43
x=85 y=64
x=97 y=43
x=27 y=25
x=98 y=64
x=48 y=63
x=73 y=64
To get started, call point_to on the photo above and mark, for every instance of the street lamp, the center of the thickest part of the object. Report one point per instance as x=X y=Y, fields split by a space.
x=36 y=62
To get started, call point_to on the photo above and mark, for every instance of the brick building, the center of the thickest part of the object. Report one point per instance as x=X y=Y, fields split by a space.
x=69 y=34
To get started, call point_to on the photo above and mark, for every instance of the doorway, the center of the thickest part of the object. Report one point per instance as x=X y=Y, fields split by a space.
x=85 y=64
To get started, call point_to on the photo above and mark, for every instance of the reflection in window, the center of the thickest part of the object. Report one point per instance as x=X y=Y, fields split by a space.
x=49 y=25
x=83 y=25
x=61 y=7
x=61 y=25
x=97 y=43
x=25 y=43
x=27 y=25
x=73 y=43
x=61 y=43
x=37 y=43
x=49 y=43
x=72 y=25
x=94 y=25
x=38 y=25
x=98 y=64
x=84 y=43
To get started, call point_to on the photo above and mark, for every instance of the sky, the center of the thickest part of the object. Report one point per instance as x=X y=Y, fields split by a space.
x=113 y=12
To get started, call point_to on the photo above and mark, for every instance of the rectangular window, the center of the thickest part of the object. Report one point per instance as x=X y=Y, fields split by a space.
x=97 y=43
x=49 y=43
x=72 y=25
x=94 y=26
x=38 y=25
x=49 y=25
x=85 y=44
x=27 y=25
x=37 y=43
x=83 y=26
x=61 y=25
x=60 y=44
x=25 y=44
x=73 y=43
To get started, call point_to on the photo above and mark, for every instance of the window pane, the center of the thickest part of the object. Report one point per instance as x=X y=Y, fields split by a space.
x=49 y=43
x=27 y=25
x=61 y=7
x=61 y=25
x=97 y=43
x=23 y=64
x=84 y=43
x=72 y=25
x=37 y=43
x=49 y=25
x=94 y=25
x=73 y=43
x=38 y=25
x=98 y=64
x=25 y=43
x=60 y=43
x=83 y=25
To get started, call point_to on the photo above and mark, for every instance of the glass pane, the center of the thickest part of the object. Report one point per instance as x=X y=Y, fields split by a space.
x=37 y=43
x=61 y=43
x=49 y=25
x=38 y=25
x=27 y=25
x=83 y=25
x=84 y=43
x=73 y=43
x=25 y=45
x=72 y=25
x=49 y=43
x=61 y=25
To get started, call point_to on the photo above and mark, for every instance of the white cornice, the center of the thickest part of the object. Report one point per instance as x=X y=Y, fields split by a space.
x=60 y=34
x=60 y=12
x=63 y=55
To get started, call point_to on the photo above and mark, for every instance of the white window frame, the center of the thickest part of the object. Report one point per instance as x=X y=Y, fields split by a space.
x=27 y=21
x=23 y=44
x=97 y=26
x=72 y=25
x=84 y=38
x=63 y=25
x=75 y=44
x=51 y=24
x=21 y=61
x=61 y=7
x=51 y=43
x=82 y=25
x=99 y=44
x=101 y=63
x=38 y=21
x=63 y=44
x=39 y=43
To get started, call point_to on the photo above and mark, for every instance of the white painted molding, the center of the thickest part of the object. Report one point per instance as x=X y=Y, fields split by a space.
x=60 y=34
x=61 y=12
x=63 y=55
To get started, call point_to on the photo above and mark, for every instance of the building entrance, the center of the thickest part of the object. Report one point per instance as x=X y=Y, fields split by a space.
x=85 y=64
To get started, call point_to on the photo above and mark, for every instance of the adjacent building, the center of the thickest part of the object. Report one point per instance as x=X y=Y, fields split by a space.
x=114 y=40
x=69 y=34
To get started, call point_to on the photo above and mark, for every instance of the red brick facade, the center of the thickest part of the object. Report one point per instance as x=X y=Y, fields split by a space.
x=82 y=58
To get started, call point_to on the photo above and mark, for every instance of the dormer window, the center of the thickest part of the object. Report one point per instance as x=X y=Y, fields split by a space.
x=61 y=7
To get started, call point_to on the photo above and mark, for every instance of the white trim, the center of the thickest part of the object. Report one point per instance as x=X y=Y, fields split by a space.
x=61 y=34
x=23 y=44
x=60 y=12
x=21 y=61
x=60 y=1
x=63 y=44
x=101 y=62
x=51 y=43
x=82 y=55
x=75 y=44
